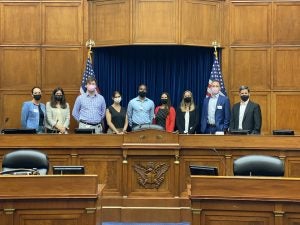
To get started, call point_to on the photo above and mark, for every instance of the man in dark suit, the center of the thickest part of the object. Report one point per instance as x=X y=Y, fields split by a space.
x=246 y=115
x=215 y=111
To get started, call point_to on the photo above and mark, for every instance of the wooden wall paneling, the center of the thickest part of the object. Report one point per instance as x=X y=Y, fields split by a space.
x=291 y=218
x=225 y=22
x=286 y=67
x=31 y=216
x=59 y=160
x=156 y=212
x=108 y=168
x=224 y=217
x=251 y=67
x=62 y=23
x=1 y=25
x=292 y=165
x=155 y=21
x=62 y=67
x=12 y=102
x=286 y=23
x=264 y=100
x=225 y=44
x=250 y=23
x=224 y=61
x=71 y=97
x=17 y=28
x=6 y=219
x=110 y=22
x=166 y=187
x=19 y=67
x=285 y=110
x=200 y=23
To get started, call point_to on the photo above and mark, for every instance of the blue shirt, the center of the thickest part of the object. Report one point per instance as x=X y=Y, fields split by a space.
x=212 y=105
x=140 y=111
x=90 y=109
x=30 y=115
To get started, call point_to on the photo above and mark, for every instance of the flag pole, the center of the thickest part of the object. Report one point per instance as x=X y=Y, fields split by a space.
x=89 y=44
x=216 y=45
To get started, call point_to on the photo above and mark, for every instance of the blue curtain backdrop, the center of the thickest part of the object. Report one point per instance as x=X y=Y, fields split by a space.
x=173 y=69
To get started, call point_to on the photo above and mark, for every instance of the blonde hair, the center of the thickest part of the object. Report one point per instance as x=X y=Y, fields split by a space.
x=183 y=104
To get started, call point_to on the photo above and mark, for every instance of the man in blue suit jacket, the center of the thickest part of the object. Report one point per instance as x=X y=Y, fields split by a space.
x=215 y=111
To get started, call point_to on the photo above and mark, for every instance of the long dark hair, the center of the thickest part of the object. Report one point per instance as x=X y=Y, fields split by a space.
x=169 y=100
x=53 y=102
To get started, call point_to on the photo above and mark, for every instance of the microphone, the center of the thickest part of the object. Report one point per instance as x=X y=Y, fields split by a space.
x=222 y=158
x=20 y=171
x=4 y=124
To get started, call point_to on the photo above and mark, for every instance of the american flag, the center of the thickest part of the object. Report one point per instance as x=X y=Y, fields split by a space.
x=216 y=74
x=88 y=72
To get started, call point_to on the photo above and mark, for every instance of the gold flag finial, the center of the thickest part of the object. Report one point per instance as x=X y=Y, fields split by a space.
x=216 y=45
x=89 y=44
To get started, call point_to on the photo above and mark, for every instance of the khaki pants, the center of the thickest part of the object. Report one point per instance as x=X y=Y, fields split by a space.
x=98 y=128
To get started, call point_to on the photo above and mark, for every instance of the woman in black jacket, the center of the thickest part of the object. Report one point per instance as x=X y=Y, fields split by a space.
x=187 y=114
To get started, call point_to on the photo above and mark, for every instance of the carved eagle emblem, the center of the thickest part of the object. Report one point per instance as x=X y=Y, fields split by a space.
x=151 y=175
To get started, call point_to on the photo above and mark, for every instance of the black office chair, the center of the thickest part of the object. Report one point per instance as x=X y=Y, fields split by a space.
x=258 y=165
x=25 y=161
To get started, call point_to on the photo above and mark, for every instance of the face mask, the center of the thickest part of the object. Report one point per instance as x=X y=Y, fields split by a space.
x=37 y=97
x=91 y=87
x=142 y=94
x=244 y=98
x=117 y=100
x=164 y=101
x=215 y=90
x=187 y=99
x=58 y=97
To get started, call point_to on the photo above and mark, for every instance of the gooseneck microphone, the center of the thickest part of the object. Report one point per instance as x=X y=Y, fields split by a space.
x=4 y=124
x=222 y=158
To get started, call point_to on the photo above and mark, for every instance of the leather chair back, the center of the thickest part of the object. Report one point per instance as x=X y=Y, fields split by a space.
x=26 y=159
x=258 y=165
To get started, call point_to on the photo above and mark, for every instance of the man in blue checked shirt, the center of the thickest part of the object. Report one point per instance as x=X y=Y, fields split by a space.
x=89 y=108
x=140 y=110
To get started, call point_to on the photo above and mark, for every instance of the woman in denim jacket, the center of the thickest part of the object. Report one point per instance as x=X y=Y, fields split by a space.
x=33 y=112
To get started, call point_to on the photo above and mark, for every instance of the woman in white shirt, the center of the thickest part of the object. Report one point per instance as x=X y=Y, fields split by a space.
x=57 y=113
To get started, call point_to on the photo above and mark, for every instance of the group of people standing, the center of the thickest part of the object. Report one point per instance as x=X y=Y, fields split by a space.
x=90 y=110
x=52 y=118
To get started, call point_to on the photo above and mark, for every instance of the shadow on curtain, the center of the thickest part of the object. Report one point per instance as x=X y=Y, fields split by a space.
x=173 y=69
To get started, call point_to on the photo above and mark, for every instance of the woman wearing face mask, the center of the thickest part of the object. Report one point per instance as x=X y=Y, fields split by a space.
x=165 y=114
x=57 y=113
x=33 y=112
x=116 y=116
x=187 y=114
